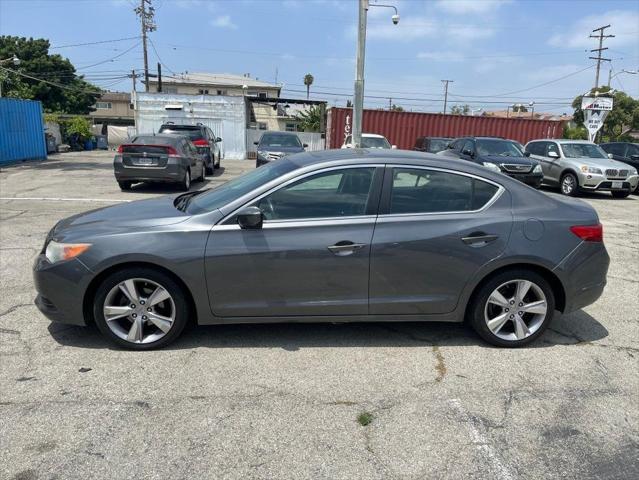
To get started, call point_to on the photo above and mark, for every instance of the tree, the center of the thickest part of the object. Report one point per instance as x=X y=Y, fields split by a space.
x=623 y=118
x=396 y=108
x=311 y=119
x=64 y=91
x=308 y=81
x=457 y=110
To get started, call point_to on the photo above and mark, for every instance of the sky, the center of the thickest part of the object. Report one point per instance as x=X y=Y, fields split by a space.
x=497 y=52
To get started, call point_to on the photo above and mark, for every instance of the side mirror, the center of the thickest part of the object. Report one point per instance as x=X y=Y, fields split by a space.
x=394 y=147
x=526 y=154
x=218 y=139
x=553 y=154
x=634 y=157
x=256 y=143
x=250 y=218
x=610 y=155
x=305 y=145
x=465 y=151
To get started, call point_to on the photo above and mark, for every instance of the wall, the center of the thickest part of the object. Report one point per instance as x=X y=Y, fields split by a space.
x=194 y=89
x=225 y=115
x=402 y=128
x=21 y=131
x=119 y=109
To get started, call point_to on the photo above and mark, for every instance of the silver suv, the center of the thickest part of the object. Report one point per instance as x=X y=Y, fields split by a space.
x=576 y=165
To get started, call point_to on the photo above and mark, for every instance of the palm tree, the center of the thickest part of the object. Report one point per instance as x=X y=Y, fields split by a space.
x=308 y=81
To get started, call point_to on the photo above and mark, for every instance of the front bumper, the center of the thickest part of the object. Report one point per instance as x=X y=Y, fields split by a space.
x=61 y=288
x=594 y=182
x=532 y=179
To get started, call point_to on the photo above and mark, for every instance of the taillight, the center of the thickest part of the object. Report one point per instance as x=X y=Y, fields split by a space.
x=589 y=233
x=170 y=150
x=120 y=149
x=200 y=142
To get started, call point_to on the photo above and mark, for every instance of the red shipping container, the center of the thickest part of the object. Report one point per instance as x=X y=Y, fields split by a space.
x=402 y=128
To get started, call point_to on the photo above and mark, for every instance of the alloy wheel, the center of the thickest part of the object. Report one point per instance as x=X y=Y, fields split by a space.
x=139 y=310
x=568 y=185
x=515 y=310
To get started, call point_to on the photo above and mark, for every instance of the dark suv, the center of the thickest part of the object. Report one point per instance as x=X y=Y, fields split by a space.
x=498 y=154
x=431 y=144
x=625 y=152
x=204 y=140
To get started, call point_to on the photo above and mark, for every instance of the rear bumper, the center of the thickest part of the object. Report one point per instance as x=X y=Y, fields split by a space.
x=172 y=172
x=583 y=273
x=61 y=288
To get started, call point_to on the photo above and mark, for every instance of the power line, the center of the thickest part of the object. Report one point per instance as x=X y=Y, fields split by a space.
x=94 y=43
x=110 y=59
x=65 y=87
x=158 y=57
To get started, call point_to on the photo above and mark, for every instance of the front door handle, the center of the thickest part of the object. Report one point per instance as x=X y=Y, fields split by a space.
x=479 y=239
x=345 y=247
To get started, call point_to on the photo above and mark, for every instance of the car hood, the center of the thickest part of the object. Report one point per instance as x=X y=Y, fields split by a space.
x=600 y=162
x=153 y=212
x=511 y=160
x=287 y=150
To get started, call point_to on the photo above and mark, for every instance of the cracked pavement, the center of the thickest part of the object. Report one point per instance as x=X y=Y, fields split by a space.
x=282 y=401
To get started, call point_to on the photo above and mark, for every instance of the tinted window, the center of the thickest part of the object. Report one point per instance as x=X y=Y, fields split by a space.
x=337 y=193
x=536 y=148
x=194 y=133
x=278 y=140
x=157 y=140
x=587 y=150
x=456 y=145
x=501 y=148
x=419 y=143
x=428 y=191
x=375 y=142
x=468 y=145
x=234 y=189
x=437 y=145
x=632 y=150
x=614 y=148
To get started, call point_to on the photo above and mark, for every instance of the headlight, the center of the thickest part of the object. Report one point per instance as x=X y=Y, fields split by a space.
x=57 y=252
x=587 y=169
x=537 y=169
x=262 y=153
x=491 y=166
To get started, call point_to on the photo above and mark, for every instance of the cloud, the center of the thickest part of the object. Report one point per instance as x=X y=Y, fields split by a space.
x=623 y=24
x=223 y=21
x=459 y=7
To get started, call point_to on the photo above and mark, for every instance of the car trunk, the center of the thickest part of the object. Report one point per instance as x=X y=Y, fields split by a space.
x=146 y=155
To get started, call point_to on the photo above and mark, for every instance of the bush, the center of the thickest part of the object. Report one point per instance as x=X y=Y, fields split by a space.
x=577 y=133
x=79 y=126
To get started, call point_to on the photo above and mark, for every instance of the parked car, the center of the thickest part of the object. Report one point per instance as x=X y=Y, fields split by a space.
x=431 y=144
x=158 y=158
x=625 y=152
x=369 y=140
x=499 y=155
x=346 y=235
x=203 y=138
x=579 y=165
x=275 y=145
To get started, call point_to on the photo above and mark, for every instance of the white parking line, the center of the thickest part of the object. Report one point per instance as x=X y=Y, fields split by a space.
x=482 y=442
x=60 y=199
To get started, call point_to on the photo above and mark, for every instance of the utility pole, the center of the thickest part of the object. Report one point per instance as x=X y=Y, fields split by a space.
x=601 y=48
x=147 y=25
x=358 y=97
x=133 y=77
x=159 y=77
x=446 y=82
x=390 y=103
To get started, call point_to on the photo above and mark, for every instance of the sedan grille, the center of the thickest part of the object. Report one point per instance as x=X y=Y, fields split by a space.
x=516 y=167
x=275 y=155
x=614 y=173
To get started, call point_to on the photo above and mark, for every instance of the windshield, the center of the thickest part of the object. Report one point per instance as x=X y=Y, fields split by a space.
x=193 y=134
x=437 y=145
x=587 y=150
x=502 y=148
x=271 y=140
x=234 y=189
x=375 y=142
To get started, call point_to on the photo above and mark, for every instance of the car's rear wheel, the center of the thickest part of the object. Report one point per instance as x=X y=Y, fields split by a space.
x=219 y=161
x=512 y=308
x=125 y=185
x=201 y=178
x=569 y=184
x=140 y=308
x=185 y=184
x=620 y=193
x=210 y=166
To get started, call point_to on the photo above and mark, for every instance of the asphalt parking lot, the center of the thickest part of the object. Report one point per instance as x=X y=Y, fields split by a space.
x=283 y=401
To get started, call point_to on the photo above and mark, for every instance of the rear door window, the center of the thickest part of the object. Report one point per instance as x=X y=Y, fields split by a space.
x=431 y=191
x=536 y=148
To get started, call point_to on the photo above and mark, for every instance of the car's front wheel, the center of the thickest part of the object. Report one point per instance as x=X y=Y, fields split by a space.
x=125 y=185
x=512 y=308
x=569 y=184
x=185 y=184
x=620 y=193
x=140 y=308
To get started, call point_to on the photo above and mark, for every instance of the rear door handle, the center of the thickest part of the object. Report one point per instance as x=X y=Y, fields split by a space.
x=479 y=239
x=345 y=247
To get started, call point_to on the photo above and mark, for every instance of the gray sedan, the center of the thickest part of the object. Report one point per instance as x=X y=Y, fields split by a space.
x=347 y=235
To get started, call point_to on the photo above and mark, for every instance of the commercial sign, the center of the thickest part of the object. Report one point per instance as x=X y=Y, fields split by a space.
x=595 y=110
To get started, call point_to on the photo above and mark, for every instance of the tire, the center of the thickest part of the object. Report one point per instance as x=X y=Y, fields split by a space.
x=620 y=193
x=149 y=336
x=201 y=178
x=505 y=317
x=185 y=184
x=125 y=185
x=211 y=167
x=569 y=185
x=217 y=164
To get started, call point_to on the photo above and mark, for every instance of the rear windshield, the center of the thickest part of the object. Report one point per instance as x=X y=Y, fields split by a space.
x=274 y=140
x=155 y=140
x=577 y=150
x=375 y=142
x=437 y=145
x=191 y=132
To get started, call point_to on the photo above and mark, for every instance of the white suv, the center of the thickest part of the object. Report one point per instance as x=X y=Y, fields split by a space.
x=369 y=140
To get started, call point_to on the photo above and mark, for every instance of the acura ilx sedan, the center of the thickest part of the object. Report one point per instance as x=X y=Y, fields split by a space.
x=333 y=236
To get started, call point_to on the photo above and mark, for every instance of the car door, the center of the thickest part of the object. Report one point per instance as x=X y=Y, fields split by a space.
x=311 y=256
x=435 y=230
x=195 y=159
x=554 y=165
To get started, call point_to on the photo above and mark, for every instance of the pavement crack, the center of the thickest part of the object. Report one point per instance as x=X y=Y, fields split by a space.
x=14 y=308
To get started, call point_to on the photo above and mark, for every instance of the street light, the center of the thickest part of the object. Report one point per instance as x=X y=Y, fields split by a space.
x=358 y=96
x=16 y=62
x=532 y=106
x=611 y=76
